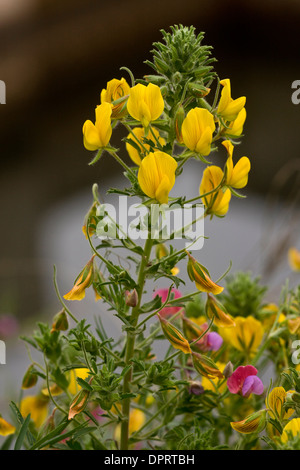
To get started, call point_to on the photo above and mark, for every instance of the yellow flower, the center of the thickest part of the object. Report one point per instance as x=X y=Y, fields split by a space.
x=237 y=175
x=197 y=130
x=292 y=427
x=82 y=282
x=97 y=136
x=156 y=175
x=82 y=373
x=136 y=420
x=275 y=401
x=294 y=259
x=229 y=108
x=137 y=135
x=221 y=318
x=245 y=336
x=294 y=325
x=218 y=201
x=145 y=103
x=199 y=274
x=173 y=335
x=252 y=423
x=117 y=93
x=213 y=384
x=37 y=406
x=6 y=428
x=235 y=128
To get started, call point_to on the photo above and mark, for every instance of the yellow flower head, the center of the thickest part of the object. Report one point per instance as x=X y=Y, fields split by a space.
x=156 y=175
x=275 y=401
x=6 y=428
x=37 y=406
x=229 y=108
x=235 y=128
x=199 y=274
x=82 y=373
x=145 y=103
x=221 y=318
x=292 y=428
x=218 y=201
x=97 y=136
x=294 y=259
x=213 y=383
x=82 y=282
x=137 y=135
x=197 y=130
x=245 y=336
x=117 y=93
x=237 y=175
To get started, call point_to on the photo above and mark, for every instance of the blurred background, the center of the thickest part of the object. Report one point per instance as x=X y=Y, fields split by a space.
x=55 y=58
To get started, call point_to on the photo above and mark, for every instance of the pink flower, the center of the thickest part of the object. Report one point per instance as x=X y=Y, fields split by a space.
x=168 y=311
x=243 y=381
x=210 y=342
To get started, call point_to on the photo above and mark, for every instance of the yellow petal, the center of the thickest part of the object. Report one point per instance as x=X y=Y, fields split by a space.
x=294 y=259
x=292 y=427
x=6 y=428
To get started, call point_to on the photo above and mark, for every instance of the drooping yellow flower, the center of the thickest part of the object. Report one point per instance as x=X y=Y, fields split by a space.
x=252 y=423
x=173 y=335
x=37 y=406
x=235 y=128
x=229 y=108
x=221 y=318
x=213 y=383
x=294 y=259
x=199 y=274
x=6 y=428
x=292 y=428
x=83 y=281
x=197 y=130
x=117 y=93
x=97 y=136
x=82 y=373
x=237 y=175
x=145 y=103
x=137 y=135
x=156 y=175
x=245 y=336
x=218 y=201
x=275 y=401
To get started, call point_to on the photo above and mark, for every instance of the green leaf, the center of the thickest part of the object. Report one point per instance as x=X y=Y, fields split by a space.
x=22 y=433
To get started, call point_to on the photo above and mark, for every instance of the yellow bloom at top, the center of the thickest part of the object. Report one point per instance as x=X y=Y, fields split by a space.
x=97 y=136
x=237 y=175
x=235 y=128
x=294 y=259
x=137 y=135
x=229 y=108
x=156 y=175
x=218 y=201
x=145 y=103
x=245 y=336
x=117 y=93
x=6 y=428
x=83 y=281
x=37 y=406
x=292 y=428
x=197 y=130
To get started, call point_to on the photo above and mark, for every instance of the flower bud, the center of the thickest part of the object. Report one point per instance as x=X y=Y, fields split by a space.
x=253 y=423
x=90 y=220
x=206 y=366
x=83 y=281
x=177 y=340
x=161 y=250
x=179 y=118
x=200 y=276
x=228 y=370
x=131 y=298
x=30 y=378
x=79 y=403
x=216 y=310
x=195 y=388
x=60 y=322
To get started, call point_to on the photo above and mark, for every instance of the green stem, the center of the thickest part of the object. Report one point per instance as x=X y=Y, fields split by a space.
x=130 y=345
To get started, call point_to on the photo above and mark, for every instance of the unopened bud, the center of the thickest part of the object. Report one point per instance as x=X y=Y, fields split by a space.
x=60 y=322
x=79 y=403
x=30 y=378
x=131 y=298
x=228 y=370
x=195 y=388
x=179 y=118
